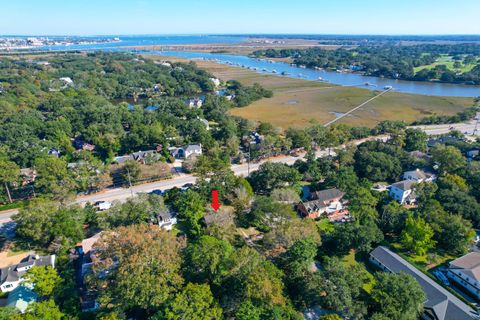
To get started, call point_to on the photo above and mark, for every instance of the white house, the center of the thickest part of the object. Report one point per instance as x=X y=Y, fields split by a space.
x=185 y=152
x=403 y=192
x=465 y=271
x=418 y=176
x=11 y=277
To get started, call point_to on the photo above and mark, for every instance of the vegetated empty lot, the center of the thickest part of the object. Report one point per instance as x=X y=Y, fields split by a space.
x=299 y=103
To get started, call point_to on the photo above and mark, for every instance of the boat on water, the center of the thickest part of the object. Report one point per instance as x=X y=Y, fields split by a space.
x=388 y=88
x=274 y=71
x=284 y=73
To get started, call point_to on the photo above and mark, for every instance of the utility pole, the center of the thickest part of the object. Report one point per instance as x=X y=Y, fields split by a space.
x=129 y=181
x=249 y=156
x=8 y=193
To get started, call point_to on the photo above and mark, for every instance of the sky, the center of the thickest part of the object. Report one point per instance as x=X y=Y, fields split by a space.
x=123 y=17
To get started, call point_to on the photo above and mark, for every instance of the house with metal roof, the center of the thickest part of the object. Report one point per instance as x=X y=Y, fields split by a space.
x=440 y=303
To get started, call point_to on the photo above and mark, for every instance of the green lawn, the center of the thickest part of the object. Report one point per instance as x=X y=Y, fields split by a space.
x=447 y=61
x=350 y=260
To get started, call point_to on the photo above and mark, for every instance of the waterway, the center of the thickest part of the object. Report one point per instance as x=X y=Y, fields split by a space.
x=280 y=69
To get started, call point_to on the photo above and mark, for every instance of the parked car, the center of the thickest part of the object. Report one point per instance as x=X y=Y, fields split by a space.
x=102 y=205
x=442 y=277
x=157 y=192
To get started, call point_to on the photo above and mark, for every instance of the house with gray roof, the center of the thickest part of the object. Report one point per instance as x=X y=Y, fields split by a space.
x=403 y=192
x=327 y=202
x=440 y=303
x=11 y=277
x=186 y=151
x=419 y=175
x=465 y=271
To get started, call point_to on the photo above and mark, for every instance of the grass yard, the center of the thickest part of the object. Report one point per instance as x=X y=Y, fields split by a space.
x=447 y=61
x=300 y=103
x=351 y=260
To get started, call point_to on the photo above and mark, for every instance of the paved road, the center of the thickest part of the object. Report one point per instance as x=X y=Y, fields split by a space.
x=467 y=128
x=122 y=194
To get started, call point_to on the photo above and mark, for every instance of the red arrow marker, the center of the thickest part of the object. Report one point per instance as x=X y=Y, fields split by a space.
x=215 y=203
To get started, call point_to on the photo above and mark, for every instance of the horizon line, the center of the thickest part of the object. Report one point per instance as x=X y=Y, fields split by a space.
x=247 y=34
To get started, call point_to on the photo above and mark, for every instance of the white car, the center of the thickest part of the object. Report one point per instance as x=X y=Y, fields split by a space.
x=102 y=205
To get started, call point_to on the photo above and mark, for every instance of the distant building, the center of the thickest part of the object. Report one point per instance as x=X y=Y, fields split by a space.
x=440 y=303
x=403 y=192
x=67 y=80
x=80 y=144
x=54 y=152
x=418 y=176
x=215 y=81
x=327 y=203
x=11 y=277
x=419 y=155
x=185 y=152
x=139 y=156
x=465 y=271
x=195 y=103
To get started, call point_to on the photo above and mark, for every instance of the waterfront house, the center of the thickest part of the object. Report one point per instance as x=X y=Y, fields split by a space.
x=403 y=192
x=12 y=276
x=465 y=271
x=327 y=203
x=440 y=303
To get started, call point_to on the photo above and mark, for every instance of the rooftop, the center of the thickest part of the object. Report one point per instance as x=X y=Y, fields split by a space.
x=404 y=185
x=470 y=263
x=445 y=305
x=327 y=195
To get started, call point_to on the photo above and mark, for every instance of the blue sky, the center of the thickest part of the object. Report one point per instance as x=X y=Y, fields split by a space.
x=94 y=17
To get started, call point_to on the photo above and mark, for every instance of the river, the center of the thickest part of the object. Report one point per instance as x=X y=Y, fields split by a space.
x=265 y=66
